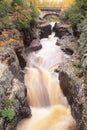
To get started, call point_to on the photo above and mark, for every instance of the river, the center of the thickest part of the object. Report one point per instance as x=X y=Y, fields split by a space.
x=49 y=107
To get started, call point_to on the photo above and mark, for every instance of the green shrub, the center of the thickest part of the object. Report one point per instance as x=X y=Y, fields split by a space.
x=25 y=15
x=4 y=22
x=3 y=8
x=76 y=13
x=7 y=102
x=23 y=19
x=8 y=113
x=18 y=2
x=4 y=19
x=85 y=36
x=75 y=18
x=64 y=15
x=82 y=5
x=34 y=12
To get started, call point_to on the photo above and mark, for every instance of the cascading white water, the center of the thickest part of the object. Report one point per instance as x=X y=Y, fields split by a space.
x=50 y=56
x=50 y=109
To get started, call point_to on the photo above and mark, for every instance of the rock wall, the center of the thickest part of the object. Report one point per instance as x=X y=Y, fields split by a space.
x=73 y=89
x=30 y=33
x=12 y=89
x=73 y=74
x=45 y=30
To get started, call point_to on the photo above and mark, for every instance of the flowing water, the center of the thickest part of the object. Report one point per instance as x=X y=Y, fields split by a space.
x=49 y=107
x=50 y=56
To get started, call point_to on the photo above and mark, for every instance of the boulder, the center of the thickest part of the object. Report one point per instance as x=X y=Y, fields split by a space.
x=34 y=46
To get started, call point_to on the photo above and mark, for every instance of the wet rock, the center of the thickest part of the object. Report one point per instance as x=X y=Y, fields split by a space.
x=68 y=44
x=45 y=30
x=40 y=21
x=29 y=34
x=34 y=46
x=67 y=51
x=73 y=89
x=76 y=33
x=62 y=30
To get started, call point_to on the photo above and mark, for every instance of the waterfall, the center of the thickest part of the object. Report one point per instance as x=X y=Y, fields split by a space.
x=49 y=107
x=42 y=89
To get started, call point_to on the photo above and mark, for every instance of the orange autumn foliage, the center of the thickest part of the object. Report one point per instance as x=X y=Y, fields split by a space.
x=17 y=7
x=66 y=3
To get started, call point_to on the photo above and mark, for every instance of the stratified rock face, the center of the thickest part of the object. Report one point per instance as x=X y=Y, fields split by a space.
x=29 y=34
x=61 y=30
x=12 y=39
x=45 y=30
x=12 y=89
x=73 y=89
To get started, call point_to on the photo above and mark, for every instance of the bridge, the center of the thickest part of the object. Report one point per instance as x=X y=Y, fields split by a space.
x=50 y=9
x=49 y=12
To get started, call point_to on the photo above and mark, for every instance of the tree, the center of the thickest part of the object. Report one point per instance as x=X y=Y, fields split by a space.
x=77 y=12
x=26 y=13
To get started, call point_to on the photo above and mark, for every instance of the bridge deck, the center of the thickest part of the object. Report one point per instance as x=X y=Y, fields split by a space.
x=52 y=9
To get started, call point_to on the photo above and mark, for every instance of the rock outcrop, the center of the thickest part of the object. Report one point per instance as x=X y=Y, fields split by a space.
x=12 y=39
x=73 y=81
x=62 y=30
x=73 y=89
x=68 y=44
x=13 y=103
x=45 y=30
x=30 y=33
x=82 y=49
x=34 y=46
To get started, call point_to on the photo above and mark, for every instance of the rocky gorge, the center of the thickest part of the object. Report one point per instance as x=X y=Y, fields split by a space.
x=72 y=75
